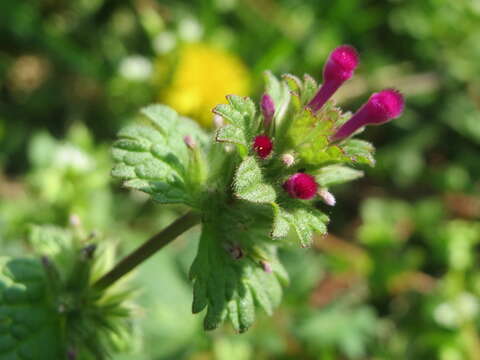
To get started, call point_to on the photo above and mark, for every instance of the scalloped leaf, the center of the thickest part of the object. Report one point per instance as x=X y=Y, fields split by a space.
x=309 y=88
x=29 y=324
x=359 y=151
x=249 y=184
x=151 y=155
x=305 y=221
x=242 y=124
x=336 y=174
x=230 y=277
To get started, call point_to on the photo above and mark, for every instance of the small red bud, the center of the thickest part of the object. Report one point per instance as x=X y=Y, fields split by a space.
x=301 y=186
x=262 y=145
x=380 y=108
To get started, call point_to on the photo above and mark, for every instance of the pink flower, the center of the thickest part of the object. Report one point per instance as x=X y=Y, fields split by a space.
x=339 y=67
x=262 y=145
x=268 y=110
x=380 y=108
x=301 y=186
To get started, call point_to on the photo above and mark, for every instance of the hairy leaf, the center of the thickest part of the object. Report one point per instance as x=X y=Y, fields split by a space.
x=305 y=221
x=280 y=94
x=359 y=151
x=249 y=184
x=336 y=174
x=241 y=125
x=151 y=155
x=308 y=135
x=234 y=270
x=29 y=323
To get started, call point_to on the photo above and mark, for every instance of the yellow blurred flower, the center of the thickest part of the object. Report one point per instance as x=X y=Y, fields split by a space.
x=202 y=78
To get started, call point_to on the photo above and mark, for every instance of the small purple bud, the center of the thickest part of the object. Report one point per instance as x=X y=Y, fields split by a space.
x=327 y=197
x=190 y=142
x=288 y=159
x=266 y=266
x=268 y=110
x=339 y=67
x=381 y=107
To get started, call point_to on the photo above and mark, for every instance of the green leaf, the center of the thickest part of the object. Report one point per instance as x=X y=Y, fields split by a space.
x=309 y=132
x=29 y=324
x=281 y=222
x=249 y=184
x=231 y=134
x=151 y=155
x=336 y=174
x=280 y=94
x=359 y=151
x=305 y=221
x=309 y=135
x=309 y=89
x=242 y=124
x=229 y=275
x=293 y=82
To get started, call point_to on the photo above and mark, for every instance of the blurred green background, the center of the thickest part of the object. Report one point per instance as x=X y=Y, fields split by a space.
x=398 y=276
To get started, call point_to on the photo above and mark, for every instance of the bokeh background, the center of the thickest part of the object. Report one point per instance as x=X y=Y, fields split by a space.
x=398 y=275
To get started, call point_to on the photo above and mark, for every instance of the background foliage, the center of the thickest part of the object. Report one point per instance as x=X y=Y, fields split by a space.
x=398 y=275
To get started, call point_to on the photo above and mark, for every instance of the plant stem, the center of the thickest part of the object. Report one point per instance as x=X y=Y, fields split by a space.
x=147 y=249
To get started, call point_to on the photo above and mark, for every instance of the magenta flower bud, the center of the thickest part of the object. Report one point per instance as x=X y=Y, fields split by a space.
x=327 y=197
x=339 y=67
x=381 y=107
x=262 y=145
x=301 y=186
x=268 y=110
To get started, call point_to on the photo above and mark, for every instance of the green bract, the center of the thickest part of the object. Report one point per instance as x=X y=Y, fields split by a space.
x=243 y=206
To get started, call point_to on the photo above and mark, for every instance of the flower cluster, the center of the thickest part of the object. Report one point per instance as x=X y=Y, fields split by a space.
x=259 y=181
x=380 y=108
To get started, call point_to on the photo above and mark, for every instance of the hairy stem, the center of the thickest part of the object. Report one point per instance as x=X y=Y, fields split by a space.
x=147 y=249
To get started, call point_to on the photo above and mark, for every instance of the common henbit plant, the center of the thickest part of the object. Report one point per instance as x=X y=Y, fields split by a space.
x=263 y=176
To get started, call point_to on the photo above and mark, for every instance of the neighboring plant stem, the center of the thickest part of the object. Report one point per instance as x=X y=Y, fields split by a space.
x=150 y=247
